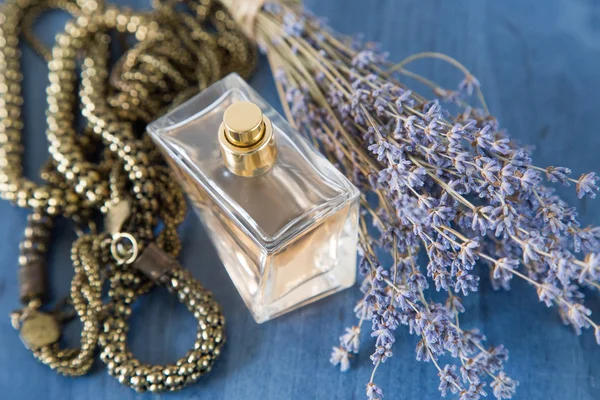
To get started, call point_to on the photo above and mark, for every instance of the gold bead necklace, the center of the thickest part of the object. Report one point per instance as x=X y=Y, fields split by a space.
x=175 y=55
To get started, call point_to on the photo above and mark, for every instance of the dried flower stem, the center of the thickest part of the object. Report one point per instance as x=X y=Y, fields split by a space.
x=453 y=187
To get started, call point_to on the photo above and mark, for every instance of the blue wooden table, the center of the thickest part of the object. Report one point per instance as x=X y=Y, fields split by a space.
x=538 y=63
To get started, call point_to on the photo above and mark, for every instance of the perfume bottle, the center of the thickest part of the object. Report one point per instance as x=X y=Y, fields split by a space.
x=282 y=218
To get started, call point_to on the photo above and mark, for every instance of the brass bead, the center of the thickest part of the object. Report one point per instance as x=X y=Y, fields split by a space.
x=74 y=187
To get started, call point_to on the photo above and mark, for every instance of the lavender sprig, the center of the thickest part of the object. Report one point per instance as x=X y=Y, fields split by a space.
x=454 y=188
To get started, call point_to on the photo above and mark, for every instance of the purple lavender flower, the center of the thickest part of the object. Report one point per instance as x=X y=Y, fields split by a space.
x=502 y=272
x=381 y=273
x=381 y=354
x=468 y=85
x=442 y=193
x=563 y=267
x=591 y=268
x=470 y=371
x=374 y=392
x=530 y=180
x=586 y=184
x=293 y=25
x=475 y=392
x=503 y=387
x=366 y=58
x=351 y=339
x=547 y=293
x=532 y=247
x=577 y=314
x=455 y=304
x=341 y=357
x=449 y=380
x=466 y=283
x=384 y=337
x=423 y=353
x=558 y=174
x=468 y=253
x=494 y=358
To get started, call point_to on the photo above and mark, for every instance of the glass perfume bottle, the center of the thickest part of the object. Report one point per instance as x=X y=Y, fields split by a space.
x=282 y=218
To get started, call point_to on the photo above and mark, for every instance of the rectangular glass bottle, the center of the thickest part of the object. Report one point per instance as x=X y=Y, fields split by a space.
x=283 y=219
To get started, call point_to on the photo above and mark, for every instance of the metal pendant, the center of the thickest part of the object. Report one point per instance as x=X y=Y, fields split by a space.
x=117 y=215
x=39 y=330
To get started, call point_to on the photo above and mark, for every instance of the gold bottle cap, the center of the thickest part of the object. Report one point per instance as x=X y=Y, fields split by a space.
x=243 y=124
x=246 y=140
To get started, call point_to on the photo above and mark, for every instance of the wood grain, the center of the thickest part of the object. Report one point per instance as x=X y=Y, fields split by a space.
x=538 y=65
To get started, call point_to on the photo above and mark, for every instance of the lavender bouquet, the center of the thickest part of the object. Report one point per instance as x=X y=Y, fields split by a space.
x=449 y=194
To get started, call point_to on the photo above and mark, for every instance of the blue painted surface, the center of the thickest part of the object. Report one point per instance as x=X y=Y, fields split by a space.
x=538 y=65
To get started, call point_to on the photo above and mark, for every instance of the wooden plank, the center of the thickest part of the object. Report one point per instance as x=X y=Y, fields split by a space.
x=538 y=67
